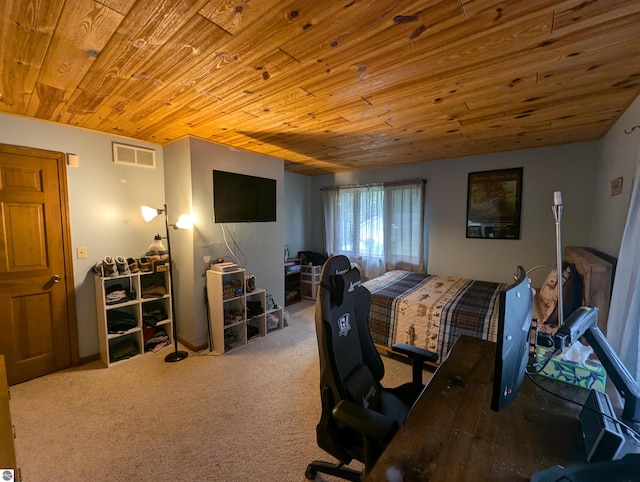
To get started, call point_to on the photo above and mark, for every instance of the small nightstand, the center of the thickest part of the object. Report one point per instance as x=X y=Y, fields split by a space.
x=292 y=281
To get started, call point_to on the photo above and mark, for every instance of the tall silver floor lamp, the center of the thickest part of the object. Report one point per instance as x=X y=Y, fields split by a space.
x=184 y=222
x=557 y=214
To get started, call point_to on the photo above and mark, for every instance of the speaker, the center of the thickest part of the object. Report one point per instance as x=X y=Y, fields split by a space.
x=603 y=437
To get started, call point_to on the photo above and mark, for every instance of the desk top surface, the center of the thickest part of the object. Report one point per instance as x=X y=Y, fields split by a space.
x=452 y=433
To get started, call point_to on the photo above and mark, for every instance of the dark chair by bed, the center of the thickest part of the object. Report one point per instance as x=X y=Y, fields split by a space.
x=359 y=416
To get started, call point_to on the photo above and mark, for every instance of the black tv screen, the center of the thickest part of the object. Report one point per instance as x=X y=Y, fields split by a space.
x=239 y=198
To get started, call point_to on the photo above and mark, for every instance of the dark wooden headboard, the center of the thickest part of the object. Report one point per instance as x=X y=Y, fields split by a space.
x=597 y=271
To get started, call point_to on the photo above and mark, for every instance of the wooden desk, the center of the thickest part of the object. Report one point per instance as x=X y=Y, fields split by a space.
x=7 y=452
x=452 y=434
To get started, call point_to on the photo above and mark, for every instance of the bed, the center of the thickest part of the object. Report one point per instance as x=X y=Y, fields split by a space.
x=432 y=311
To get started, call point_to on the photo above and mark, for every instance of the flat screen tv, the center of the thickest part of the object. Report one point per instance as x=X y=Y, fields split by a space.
x=239 y=198
x=512 y=344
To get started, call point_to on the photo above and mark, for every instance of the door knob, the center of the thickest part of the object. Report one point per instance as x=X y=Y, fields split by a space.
x=56 y=278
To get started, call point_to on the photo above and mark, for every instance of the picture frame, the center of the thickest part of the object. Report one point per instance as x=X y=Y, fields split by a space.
x=494 y=203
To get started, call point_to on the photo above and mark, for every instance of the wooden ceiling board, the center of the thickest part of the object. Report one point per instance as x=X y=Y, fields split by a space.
x=328 y=40
x=488 y=96
x=590 y=14
x=234 y=16
x=545 y=88
x=558 y=108
x=75 y=47
x=190 y=51
x=162 y=83
x=27 y=28
x=147 y=26
x=509 y=60
x=118 y=6
x=245 y=87
x=46 y=102
x=294 y=77
x=327 y=86
x=247 y=50
x=444 y=57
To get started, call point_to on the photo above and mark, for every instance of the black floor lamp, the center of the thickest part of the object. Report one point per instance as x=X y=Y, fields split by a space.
x=184 y=222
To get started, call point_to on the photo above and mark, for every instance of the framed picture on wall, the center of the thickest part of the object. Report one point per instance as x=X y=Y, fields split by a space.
x=493 y=204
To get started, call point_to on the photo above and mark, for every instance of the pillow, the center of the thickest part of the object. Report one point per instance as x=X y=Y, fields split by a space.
x=571 y=294
x=547 y=297
x=362 y=387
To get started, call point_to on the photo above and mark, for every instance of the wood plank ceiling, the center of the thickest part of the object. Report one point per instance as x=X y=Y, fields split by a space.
x=327 y=85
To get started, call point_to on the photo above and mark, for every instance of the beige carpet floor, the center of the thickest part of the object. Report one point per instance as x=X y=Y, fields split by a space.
x=249 y=415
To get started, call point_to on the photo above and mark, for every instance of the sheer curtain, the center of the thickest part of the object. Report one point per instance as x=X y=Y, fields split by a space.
x=624 y=314
x=378 y=226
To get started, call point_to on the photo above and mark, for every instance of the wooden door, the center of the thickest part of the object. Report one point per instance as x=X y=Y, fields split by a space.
x=37 y=304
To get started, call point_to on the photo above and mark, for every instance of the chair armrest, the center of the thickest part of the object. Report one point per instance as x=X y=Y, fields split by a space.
x=363 y=420
x=415 y=353
x=417 y=356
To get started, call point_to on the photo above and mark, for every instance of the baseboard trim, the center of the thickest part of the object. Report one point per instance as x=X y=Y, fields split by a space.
x=186 y=344
x=89 y=359
x=191 y=346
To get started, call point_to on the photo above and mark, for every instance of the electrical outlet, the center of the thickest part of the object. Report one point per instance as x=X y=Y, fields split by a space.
x=82 y=252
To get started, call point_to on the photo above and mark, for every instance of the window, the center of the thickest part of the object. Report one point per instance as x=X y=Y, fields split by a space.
x=378 y=226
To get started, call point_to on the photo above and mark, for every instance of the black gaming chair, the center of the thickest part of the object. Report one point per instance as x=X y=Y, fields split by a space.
x=359 y=416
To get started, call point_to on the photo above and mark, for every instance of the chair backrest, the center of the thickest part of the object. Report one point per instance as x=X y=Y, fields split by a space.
x=350 y=366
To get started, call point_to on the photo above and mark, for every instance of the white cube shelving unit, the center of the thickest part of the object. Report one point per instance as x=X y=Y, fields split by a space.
x=310 y=281
x=121 y=321
x=237 y=317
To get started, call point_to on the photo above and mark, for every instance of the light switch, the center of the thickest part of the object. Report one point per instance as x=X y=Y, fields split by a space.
x=82 y=252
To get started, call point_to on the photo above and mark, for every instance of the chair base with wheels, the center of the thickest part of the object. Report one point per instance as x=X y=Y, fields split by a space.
x=337 y=470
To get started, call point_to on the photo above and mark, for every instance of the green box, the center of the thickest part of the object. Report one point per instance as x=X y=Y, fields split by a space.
x=590 y=374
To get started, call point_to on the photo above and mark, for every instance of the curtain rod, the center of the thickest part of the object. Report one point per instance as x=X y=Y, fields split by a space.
x=371 y=184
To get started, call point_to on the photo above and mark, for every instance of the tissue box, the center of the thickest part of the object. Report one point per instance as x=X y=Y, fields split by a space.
x=590 y=374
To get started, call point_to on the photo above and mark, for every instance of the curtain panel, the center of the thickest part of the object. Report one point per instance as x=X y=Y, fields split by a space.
x=623 y=330
x=379 y=226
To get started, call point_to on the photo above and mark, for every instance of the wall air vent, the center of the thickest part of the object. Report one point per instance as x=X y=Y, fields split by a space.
x=133 y=155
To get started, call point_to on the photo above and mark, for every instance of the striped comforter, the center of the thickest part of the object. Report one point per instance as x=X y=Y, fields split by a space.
x=431 y=311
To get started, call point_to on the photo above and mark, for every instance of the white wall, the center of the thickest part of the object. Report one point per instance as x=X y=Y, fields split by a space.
x=258 y=247
x=179 y=192
x=567 y=168
x=619 y=156
x=297 y=218
x=104 y=200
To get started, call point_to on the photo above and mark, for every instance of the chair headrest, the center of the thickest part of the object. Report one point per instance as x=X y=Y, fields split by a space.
x=337 y=264
x=339 y=278
x=345 y=284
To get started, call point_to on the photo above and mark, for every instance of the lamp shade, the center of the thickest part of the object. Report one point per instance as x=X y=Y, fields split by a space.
x=149 y=213
x=156 y=247
x=184 y=222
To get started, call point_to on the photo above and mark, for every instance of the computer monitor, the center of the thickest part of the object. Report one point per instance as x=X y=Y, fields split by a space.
x=512 y=344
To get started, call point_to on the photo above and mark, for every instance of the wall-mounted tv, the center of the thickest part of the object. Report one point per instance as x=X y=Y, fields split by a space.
x=239 y=198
